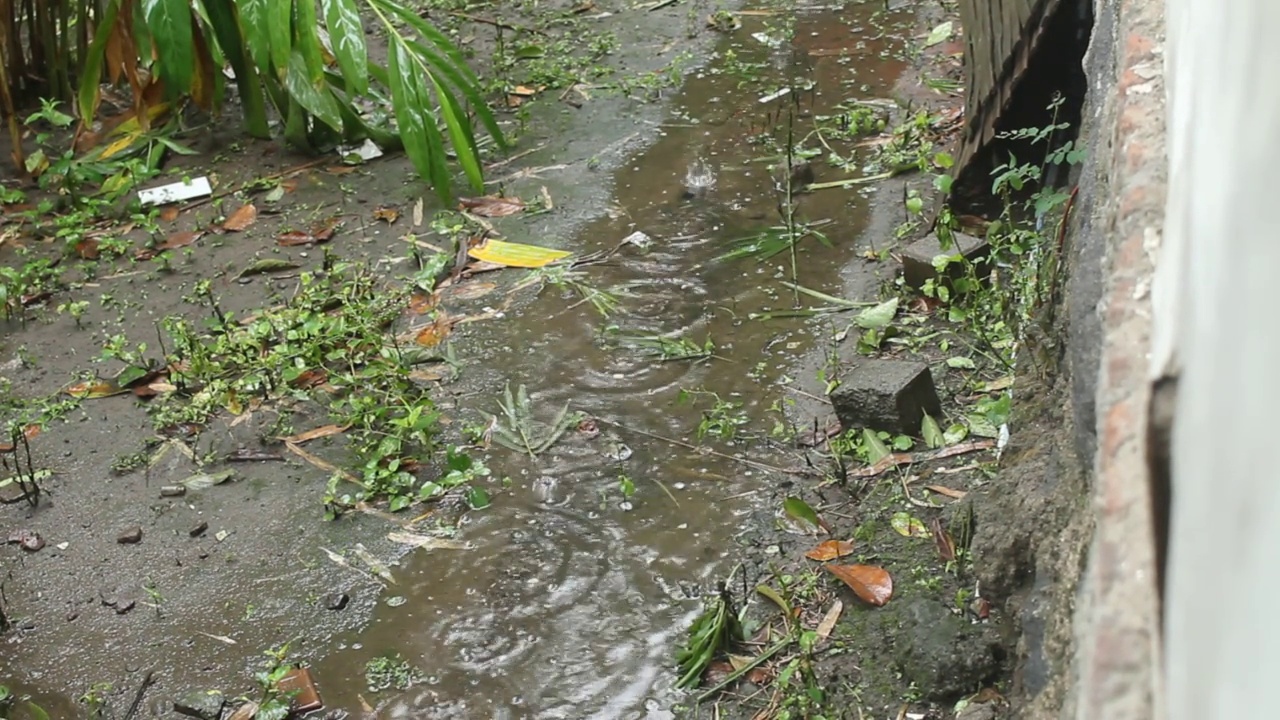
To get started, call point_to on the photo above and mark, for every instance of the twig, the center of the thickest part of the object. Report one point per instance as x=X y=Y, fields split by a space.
x=147 y=682
x=680 y=443
x=495 y=23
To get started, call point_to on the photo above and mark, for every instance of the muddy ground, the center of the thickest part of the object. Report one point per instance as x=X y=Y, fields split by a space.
x=567 y=596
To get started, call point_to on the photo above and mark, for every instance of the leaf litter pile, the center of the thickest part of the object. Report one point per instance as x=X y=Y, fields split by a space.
x=330 y=351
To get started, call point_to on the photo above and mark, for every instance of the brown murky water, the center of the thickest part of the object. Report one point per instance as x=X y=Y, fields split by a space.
x=570 y=601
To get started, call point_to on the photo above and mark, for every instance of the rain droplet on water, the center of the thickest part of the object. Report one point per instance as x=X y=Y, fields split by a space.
x=698 y=179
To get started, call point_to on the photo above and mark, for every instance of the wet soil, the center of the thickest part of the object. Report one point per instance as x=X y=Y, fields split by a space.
x=567 y=598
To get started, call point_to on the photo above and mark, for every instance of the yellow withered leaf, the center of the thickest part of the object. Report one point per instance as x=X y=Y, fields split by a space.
x=516 y=254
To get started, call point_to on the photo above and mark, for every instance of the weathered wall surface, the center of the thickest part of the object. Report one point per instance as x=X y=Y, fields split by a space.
x=1118 y=234
x=1216 y=327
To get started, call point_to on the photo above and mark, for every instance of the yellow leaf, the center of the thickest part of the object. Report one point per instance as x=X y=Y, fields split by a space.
x=516 y=254
x=120 y=145
x=95 y=389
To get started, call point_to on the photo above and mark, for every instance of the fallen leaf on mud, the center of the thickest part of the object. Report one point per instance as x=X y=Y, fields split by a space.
x=427 y=375
x=219 y=638
x=146 y=390
x=830 y=550
x=202 y=481
x=326 y=466
x=800 y=511
x=315 y=433
x=435 y=333
x=942 y=538
x=961 y=449
x=169 y=213
x=418 y=213
x=871 y=584
x=268 y=265
x=172 y=242
x=87 y=249
x=931 y=432
x=247 y=711
x=876 y=449
x=908 y=525
x=491 y=205
x=515 y=254
x=319 y=233
x=242 y=218
x=386 y=214
x=377 y=566
x=469 y=291
x=944 y=490
x=30 y=432
x=829 y=620
x=426 y=542
x=777 y=599
x=28 y=540
x=341 y=169
x=94 y=389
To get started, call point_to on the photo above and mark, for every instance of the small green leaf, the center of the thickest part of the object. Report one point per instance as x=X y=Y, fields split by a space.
x=931 y=432
x=879 y=316
x=908 y=525
x=960 y=363
x=399 y=502
x=530 y=52
x=777 y=599
x=478 y=498
x=202 y=481
x=876 y=450
x=429 y=490
x=799 y=510
x=939 y=33
x=955 y=434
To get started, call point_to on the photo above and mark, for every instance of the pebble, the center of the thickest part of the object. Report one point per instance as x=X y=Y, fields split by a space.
x=337 y=601
x=130 y=536
x=199 y=529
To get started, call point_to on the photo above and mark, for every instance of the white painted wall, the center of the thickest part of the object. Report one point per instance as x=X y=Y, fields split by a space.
x=1217 y=323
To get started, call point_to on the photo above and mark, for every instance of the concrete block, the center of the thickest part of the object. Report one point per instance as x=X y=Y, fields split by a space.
x=889 y=395
x=917 y=258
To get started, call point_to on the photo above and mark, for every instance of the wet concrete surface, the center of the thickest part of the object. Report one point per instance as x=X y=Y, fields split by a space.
x=566 y=603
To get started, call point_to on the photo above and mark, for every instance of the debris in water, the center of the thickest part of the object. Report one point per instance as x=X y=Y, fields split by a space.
x=298 y=684
x=641 y=239
x=426 y=542
x=516 y=254
x=698 y=179
x=336 y=601
x=491 y=205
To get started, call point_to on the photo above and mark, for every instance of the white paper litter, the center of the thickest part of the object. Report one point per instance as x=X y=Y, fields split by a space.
x=176 y=192
x=367 y=150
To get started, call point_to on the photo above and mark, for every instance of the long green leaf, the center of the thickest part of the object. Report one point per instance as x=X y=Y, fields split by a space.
x=306 y=39
x=316 y=99
x=469 y=90
x=459 y=126
x=346 y=34
x=169 y=22
x=253 y=14
x=226 y=27
x=431 y=34
x=91 y=77
x=422 y=142
x=279 y=19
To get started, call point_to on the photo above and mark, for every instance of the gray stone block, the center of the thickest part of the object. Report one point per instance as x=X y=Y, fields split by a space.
x=917 y=258
x=889 y=395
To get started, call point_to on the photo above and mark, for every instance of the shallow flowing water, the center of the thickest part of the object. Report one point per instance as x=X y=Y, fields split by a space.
x=570 y=600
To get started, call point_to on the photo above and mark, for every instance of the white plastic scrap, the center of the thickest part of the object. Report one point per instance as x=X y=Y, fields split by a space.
x=638 y=238
x=176 y=192
x=367 y=150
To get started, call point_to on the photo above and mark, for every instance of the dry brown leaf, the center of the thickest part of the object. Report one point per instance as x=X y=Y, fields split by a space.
x=829 y=620
x=871 y=584
x=319 y=233
x=469 y=291
x=340 y=169
x=942 y=539
x=944 y=490
x=327 y=467
x=87 y=249
x=830 y=550
x=310 y=378
x=421 y=303
x=491 y=205
x=169 y=213
x=435 y=333
x=242 y=218
x=315 y=433
x=386 y=214
x=418 y=213
x=425 y=375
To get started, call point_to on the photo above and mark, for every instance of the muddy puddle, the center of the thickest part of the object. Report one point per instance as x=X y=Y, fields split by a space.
x=570 y=596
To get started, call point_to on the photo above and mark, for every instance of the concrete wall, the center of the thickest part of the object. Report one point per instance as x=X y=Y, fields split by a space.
x=1216 y=327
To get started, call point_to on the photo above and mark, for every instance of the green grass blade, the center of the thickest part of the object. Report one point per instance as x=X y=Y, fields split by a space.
x=459 y=126
x=169 y=22
x=346 y=35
